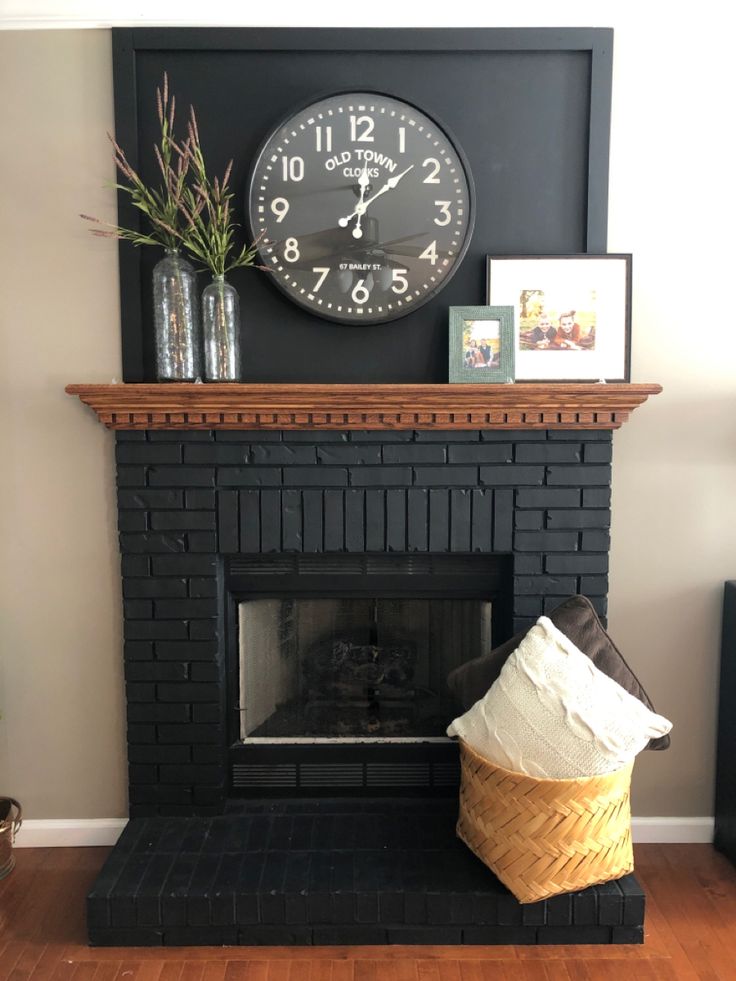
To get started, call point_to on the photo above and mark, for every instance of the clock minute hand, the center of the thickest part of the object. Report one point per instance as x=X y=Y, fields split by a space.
x=388 y=186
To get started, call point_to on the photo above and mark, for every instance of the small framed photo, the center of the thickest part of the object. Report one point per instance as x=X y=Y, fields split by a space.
x=482 y=344
x=572 y=314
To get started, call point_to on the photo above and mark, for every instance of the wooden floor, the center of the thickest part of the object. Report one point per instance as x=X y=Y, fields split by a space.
x=691 y=933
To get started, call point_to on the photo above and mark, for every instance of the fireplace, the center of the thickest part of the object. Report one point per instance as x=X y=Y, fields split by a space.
x=293 y=602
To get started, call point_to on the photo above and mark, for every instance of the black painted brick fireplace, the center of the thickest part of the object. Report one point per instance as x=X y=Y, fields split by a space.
x=186 y=499
x=196 y=865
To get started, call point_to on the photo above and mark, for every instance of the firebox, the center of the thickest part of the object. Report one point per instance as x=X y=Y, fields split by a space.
x=339 y=665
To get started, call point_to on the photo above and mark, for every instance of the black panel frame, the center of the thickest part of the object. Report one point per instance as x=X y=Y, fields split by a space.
x=128 y=44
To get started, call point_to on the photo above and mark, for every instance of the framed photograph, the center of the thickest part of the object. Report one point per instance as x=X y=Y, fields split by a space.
x=482 y=344
x=572 y=314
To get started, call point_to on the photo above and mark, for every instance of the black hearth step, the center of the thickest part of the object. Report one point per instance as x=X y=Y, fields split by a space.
x=303 y=872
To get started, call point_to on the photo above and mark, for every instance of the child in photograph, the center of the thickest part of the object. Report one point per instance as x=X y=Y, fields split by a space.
x=568 y=334
x=542 y=336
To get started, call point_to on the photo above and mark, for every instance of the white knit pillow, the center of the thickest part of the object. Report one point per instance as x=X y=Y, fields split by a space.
x=552 y=713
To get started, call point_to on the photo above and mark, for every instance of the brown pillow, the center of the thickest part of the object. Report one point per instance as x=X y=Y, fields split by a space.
x=576 y=618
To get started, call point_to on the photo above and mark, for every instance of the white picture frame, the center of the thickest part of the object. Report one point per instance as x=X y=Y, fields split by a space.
x=572 y=314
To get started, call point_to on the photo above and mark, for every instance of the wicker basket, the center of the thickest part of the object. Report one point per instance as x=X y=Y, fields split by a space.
x=9 y=824
x=545 y=837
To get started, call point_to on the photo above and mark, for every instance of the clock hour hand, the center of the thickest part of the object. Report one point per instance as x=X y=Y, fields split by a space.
x=363 y=182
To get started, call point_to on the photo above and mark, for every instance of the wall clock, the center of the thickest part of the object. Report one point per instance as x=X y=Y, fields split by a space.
x=364 y=207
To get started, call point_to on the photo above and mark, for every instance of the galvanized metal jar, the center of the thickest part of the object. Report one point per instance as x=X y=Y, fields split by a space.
x=11 y=818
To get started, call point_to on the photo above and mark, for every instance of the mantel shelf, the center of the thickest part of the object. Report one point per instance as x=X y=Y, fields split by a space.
x=523 y=405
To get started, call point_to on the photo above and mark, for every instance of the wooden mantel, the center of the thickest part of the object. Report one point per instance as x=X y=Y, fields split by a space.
x=523 y=405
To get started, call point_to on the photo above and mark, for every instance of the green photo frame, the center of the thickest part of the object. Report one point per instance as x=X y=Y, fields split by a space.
x=481 y=344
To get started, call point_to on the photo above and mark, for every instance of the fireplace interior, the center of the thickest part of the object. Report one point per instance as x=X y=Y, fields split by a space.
x=353 y=669
x=340 y=664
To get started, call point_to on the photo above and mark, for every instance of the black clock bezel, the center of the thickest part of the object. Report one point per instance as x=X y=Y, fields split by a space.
x=430 y=294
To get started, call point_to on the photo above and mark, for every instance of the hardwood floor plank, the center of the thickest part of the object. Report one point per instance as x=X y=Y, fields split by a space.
x=471 y=970
x=404 y=969
x=321 y=971
x=246 y=971
x=148 y=970
x=84 y=971
x=214 y=970
x=171 y=971
x=342 y=970
x=10 y=957
x=106 y=970
x=428 y=971
x=64 y=971
x=450 y=971
x=279 y=970
x=27 y=962
x=193 y=971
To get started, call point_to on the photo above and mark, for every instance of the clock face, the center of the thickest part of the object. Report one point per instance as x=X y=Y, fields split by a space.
x=364 y=207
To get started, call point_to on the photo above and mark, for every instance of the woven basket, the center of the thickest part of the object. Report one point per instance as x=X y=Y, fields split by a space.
x=9 y=825
x=545 y=837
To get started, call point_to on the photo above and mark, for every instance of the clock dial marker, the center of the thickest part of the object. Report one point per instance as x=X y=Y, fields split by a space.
x=370 y=203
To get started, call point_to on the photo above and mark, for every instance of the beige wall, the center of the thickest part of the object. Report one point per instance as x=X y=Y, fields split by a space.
x=61 y=735
x=674 y=533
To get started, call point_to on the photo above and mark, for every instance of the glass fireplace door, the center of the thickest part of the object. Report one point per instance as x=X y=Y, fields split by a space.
x=352 y=669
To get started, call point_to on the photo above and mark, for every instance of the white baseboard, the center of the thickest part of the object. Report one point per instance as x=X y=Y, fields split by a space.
x=106 y=831
x=69 y=833
x=668 y=830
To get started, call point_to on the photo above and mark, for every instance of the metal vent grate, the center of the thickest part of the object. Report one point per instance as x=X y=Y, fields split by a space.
x=272 y=565
x=446 y=774
x=264 y=775
x=397 y=775
x=361 y=564
x=331 y=774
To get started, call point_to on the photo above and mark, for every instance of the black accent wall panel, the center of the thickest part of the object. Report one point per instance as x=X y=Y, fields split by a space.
x=530 y=108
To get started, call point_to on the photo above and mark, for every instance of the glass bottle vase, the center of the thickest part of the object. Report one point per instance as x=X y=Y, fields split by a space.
x=176 y=319
x=221 y=322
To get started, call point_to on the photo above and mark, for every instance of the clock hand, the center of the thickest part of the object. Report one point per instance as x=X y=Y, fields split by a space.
x=363 y=182
x=388 y=186
x=361 y=206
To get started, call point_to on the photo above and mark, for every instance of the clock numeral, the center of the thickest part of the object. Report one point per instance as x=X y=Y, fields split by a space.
x=434 y=164
x=292 y=168
x=291 y=250
x=360 y=293
x=402 y=139
x=280 y=207
x=322 y=270
x=444 y=207
x=365 y=135
x=400 y=283
x=430 y=252
x=323 y=138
